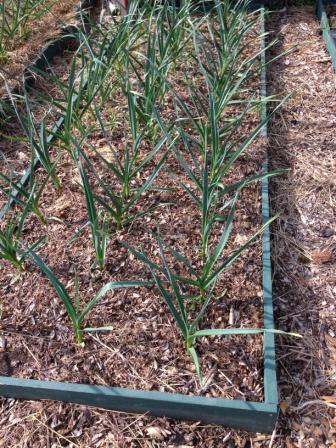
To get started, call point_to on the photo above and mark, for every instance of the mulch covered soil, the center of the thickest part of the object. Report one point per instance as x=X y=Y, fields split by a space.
x=14 y=154
x=36 y=341
x=144 y=350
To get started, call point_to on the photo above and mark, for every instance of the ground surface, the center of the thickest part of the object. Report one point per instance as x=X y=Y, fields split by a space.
x=304 y=243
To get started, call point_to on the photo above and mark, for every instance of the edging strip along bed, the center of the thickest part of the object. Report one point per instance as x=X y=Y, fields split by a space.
x=270 y=380
x=247 y=415
x=329 y=34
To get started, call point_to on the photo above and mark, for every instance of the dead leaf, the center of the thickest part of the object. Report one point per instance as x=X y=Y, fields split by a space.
x=321 y=256
x=329 y=398
x=317 y=431
x=240 y=239
x=296 y=426
x=156 y=433
x=284 y=406
x=106 y=152
x=60 y=205
x=325 y=423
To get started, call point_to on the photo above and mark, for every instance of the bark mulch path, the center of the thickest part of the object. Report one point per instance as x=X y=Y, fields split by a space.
x=303 y=138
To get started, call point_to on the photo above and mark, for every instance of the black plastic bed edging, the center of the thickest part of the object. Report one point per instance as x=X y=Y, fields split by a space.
x=55 y=47
x=61 y=43
x=41 y=63
x=246 y=415
x=329 y=34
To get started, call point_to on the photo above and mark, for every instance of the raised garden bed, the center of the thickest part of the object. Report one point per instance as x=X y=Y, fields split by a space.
x=142 y=335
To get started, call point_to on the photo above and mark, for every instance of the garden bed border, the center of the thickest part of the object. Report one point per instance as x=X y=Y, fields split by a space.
x=325 y=27
x=247 y=415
